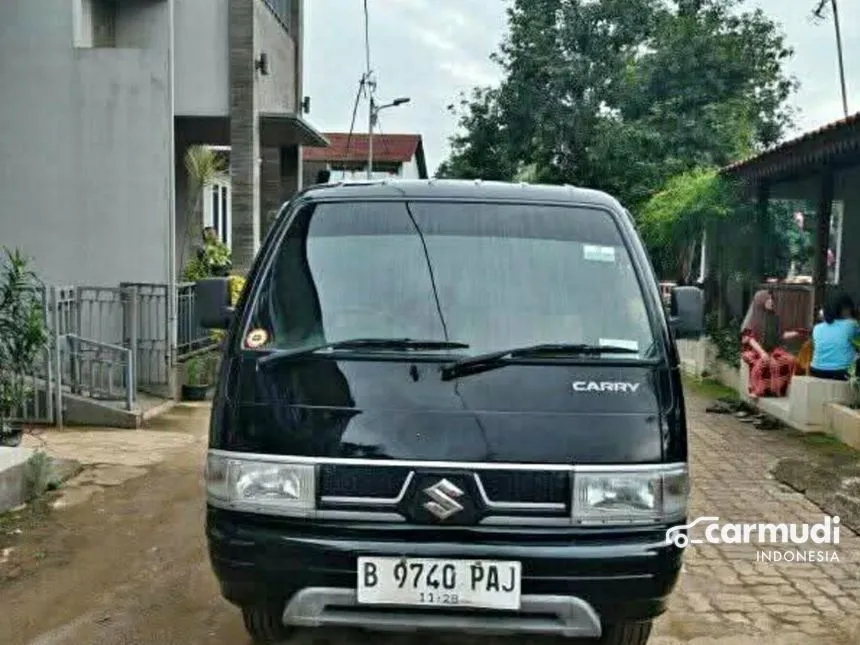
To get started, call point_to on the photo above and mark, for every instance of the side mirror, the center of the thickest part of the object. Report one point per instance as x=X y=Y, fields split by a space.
x=213 y=303
x=687 y=312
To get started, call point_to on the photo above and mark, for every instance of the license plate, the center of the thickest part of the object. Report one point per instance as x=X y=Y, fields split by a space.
x=482 y=584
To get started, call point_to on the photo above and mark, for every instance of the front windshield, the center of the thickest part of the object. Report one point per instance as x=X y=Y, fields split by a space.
x=495 y=276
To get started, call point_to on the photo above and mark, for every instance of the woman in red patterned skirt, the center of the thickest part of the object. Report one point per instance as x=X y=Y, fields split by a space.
x=771 y=367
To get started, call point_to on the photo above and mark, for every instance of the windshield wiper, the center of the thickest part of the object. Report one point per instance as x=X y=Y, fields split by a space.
x=493 y=360
x=363 y=343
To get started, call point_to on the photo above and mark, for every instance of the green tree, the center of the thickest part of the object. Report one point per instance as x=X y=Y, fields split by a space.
x=673 y=219
x=621 y=95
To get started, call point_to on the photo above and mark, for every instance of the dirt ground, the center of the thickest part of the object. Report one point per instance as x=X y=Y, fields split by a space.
x=128 y=566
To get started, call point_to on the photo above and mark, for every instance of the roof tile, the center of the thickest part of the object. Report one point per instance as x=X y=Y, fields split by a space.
x=390 y=148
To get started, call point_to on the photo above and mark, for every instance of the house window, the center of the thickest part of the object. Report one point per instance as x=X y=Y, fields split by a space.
x=95 y=23
x=282 y=9
x=216 y=209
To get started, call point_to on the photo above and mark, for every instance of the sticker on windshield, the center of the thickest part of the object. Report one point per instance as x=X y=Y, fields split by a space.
x=598 y=253
x=256 y=338
x=619 y=342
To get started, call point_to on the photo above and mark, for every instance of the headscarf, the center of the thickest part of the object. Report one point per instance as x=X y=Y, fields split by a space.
x=763 y=323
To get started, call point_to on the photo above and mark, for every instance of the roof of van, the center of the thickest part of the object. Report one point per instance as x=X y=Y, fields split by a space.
x=459 y=189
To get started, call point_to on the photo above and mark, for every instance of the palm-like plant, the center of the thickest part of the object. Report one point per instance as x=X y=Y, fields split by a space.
x=23 y=334
x=202 y=165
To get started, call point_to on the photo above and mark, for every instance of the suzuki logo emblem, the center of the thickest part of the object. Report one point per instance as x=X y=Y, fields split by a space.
x=443 y=499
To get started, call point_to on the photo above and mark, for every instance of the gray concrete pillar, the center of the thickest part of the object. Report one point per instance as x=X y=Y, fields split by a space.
x=244 y=136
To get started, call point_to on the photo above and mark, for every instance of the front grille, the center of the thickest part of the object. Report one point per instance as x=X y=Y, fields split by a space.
x=386 y=482
x=380 y=482
x=529 y=487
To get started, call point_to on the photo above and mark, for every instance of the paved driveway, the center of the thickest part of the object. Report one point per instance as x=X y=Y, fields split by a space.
x=725 y=592
x=127 y=564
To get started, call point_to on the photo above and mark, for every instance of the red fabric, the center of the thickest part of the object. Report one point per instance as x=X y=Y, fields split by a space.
x=767 y=377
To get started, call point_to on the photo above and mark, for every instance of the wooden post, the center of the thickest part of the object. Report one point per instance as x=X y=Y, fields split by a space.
x=761 y=215
x=822 y=238
x=762 y=202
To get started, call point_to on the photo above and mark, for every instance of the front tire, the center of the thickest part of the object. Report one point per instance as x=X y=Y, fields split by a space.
x=264 y=624
x=626 y=634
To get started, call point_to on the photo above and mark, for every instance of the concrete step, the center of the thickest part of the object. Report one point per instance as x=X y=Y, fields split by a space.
x=84 y=411
x=13 y=464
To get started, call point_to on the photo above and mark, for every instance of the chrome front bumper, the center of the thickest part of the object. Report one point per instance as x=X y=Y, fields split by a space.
x=566 y=616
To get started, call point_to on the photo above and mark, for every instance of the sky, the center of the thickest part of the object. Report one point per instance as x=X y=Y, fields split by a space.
x=431 y=50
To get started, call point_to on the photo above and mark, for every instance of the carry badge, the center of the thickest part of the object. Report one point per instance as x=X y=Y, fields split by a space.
x=256 y=338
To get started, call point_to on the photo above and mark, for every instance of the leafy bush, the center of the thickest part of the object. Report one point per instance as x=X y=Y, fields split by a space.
x=237 y=284
x=200 y=370
x=854 y=379
x=672 y=221
x=23 y=334
x=215 y=254
x=726 y=339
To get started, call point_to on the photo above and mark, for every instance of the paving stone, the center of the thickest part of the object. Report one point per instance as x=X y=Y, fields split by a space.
x=724 y=587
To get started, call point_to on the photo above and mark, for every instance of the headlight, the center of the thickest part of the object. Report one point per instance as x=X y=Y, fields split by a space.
x=261 y=486
x=629 y=497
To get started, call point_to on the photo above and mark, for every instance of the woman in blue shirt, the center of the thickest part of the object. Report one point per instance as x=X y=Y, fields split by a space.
x=833 y=350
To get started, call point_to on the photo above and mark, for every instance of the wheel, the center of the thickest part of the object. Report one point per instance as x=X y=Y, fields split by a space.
x=263 y=623
x=626 y=634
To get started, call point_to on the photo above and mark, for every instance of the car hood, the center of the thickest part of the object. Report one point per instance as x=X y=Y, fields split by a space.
x=384 y=409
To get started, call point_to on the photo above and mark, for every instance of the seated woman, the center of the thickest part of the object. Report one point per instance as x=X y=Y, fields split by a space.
x=833 y=340
x=770 y=365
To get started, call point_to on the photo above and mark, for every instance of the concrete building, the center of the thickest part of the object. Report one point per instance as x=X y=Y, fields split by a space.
x=397 y=155
x=100 y=101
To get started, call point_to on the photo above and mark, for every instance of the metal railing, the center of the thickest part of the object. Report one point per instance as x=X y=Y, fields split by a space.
x=108 y=343
x=101 y=371
x=153 y=359
x=191 y=337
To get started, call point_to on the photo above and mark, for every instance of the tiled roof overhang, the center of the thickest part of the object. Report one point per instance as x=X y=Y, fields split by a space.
x=833 y=145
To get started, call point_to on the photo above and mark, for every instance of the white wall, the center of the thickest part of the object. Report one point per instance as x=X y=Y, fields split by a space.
x=276 y=92
x=85 y=146
x=202 y=58
x=409 y=170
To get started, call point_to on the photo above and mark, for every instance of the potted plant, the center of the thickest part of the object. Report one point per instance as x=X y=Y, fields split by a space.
x=199 y=378
x=23 y=336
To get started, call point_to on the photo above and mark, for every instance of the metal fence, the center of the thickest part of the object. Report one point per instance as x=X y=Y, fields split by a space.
x=191 y=337
x=152 y=356
x=100 y=371
x=108 y=343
